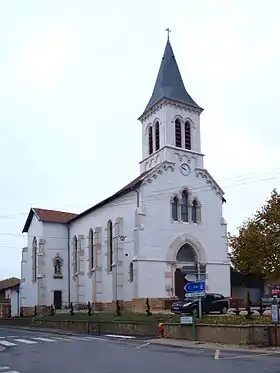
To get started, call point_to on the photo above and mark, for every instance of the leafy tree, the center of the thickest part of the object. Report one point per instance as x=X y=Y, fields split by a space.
x=256 y=247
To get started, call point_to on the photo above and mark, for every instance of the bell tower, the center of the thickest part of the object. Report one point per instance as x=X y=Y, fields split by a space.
x=171 y=119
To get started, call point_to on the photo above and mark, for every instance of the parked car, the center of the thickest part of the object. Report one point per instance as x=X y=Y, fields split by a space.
x=211 y=302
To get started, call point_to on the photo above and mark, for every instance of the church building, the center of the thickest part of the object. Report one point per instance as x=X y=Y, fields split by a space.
x=146 y=239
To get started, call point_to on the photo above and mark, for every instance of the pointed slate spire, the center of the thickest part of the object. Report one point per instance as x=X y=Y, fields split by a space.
x=169 y=83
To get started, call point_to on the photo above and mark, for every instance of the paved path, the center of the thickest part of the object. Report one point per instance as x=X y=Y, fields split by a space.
x=111 y=354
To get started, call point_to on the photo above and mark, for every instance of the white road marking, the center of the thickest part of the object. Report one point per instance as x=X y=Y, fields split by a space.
x=12 y=371
x=96 y=338
x=4 y=368
x=144 y=345
x=78 y=338
x=119 y=336
x=61 y=338
x=27 y=341
x=243 y=356
x=217 y=355
x=44 y=339
x=7 y=344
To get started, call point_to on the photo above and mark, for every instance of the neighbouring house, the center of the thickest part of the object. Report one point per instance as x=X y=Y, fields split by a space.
x=9 y=294
x=242 y=284
x=143 y=240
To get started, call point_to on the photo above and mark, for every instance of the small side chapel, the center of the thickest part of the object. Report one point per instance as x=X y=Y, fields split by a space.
x=144 y=240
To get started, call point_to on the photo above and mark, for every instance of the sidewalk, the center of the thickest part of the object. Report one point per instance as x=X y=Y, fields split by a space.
x=214 y=346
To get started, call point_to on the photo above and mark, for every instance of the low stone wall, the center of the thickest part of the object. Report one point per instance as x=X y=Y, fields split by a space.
x=259 y=335
x=141 y=329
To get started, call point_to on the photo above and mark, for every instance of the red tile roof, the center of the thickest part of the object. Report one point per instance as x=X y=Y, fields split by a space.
x=53 y=216
x=9 y=283
x=48 y=216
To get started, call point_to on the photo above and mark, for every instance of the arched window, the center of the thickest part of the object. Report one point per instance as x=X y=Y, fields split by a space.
x=157 y=135
x=110 y=245
x=75 y=255
x=188 y=141
x=150 y=140
x=178 y=133
x=185 y=206
x=34 y=259
x=131 y=274
x=195 y=211
x=174 y=205
x=90 y=249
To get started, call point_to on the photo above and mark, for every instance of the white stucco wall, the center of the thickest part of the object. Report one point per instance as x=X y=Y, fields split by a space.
x=28 y=289
x=166 y=116
x=14 y=295
x=56 y=242
x=159 y=232
x=123 y=207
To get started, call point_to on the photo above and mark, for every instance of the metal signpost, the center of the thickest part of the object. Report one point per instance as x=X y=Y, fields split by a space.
x=275 y=319
x=197 y=289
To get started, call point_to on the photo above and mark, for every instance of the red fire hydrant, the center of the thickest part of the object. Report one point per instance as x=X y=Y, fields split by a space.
x=161 y=329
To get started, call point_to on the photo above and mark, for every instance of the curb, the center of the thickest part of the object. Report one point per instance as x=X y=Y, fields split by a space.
x=47 y=331
x=214 y=348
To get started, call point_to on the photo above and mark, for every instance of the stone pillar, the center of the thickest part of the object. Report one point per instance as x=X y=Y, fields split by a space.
x=97 y=279
x=81 y=266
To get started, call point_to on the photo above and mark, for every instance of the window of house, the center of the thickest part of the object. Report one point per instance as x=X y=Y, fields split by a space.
x=174 y=205
x=34 y=259
x=91 y=250
x=157 y=135
x=194 y=211
x=185 y=206
x=188 y=135
x=150 y=140
x=110 y=245
x=178 y=133
x=131 y=274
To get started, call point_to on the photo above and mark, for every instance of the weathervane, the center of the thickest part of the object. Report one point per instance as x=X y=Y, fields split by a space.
x=168 y=32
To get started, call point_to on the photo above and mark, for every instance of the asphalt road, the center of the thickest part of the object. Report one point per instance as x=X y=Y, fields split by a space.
x=48 y=353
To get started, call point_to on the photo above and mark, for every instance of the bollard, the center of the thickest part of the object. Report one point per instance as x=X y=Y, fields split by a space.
x=161 y=329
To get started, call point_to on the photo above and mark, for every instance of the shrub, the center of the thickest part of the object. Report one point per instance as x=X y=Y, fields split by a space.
x=52 y=310
x=89 y=308
x=148 y=308
x=118 y=308
x=71 y=309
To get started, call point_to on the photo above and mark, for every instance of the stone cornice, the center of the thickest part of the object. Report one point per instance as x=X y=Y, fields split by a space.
x=167 y=102
x=204 y=174
x=158 y=170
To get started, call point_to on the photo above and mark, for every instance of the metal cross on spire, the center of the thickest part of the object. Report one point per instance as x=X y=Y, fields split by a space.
x=168 y=32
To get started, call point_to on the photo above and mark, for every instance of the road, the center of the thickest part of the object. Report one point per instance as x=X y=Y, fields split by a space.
x=46 y=352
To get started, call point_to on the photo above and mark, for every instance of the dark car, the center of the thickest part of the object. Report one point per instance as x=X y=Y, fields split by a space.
x=211 y=302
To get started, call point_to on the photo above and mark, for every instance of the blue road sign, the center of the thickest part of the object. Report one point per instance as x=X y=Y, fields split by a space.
x=195 y=288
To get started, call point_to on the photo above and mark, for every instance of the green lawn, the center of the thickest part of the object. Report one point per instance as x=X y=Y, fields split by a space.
x=156 y=317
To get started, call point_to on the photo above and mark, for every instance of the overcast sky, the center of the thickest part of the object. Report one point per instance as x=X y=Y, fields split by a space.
x=75 y=75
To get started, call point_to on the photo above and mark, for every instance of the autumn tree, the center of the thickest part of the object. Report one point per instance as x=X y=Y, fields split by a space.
x=256 y=247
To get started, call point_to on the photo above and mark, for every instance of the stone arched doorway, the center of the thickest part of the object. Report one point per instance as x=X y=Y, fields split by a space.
x=186 y=260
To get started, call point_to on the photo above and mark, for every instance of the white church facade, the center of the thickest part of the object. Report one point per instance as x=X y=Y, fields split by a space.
x=142 y=241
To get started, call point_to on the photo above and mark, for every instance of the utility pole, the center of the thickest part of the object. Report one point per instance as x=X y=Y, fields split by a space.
x=199 y=299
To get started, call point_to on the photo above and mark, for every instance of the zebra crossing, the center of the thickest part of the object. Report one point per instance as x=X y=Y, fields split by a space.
x=12 y=341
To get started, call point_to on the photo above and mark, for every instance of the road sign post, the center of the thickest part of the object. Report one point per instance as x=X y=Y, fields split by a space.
x=197 y=289
x=199 y=299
